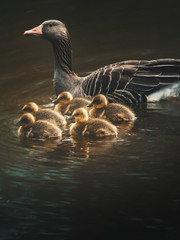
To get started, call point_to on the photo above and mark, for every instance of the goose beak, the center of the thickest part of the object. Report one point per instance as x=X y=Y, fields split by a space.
x=37 y=31
x=90 y=105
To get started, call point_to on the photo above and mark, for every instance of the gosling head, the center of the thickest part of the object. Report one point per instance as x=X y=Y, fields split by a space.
x=30 y=107
x=99 y=101
x=63 y=98
x=26 y=120
x=80 y=115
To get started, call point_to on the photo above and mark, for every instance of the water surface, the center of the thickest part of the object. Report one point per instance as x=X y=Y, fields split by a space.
x=78 y=188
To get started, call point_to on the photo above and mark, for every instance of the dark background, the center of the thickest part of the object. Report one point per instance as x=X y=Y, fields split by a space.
x=120 y=188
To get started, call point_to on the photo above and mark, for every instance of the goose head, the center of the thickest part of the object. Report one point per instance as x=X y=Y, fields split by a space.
x=52 y=30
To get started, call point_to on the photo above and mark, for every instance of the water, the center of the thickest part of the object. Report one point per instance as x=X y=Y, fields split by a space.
x=87 y=189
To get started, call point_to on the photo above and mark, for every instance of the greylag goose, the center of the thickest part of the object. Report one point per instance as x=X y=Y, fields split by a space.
x=129 y=82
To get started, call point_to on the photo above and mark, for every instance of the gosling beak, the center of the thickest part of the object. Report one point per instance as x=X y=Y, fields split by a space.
x=37 y=31
x=90 y=104
x=71 y=117
x=55 y=101
x=20 y=111
x=17 y=123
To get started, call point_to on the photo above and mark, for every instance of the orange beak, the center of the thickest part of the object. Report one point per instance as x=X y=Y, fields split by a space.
x=37 y=31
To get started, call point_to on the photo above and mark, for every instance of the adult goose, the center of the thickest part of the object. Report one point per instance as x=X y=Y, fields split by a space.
x=130 y=82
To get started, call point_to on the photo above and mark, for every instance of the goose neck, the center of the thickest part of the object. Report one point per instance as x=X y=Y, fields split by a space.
x=62 y=54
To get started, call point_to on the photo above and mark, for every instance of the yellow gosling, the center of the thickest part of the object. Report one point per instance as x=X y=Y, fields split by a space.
x=44 y=114
x=41 y=129
x=66 y=104
x=90 y=127
x=113 y=112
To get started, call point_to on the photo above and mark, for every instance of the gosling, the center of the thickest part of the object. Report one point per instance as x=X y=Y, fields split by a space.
x=113 y=112
x=41 y=129
x=66 y=104
x=44 y=114
x=90 y=127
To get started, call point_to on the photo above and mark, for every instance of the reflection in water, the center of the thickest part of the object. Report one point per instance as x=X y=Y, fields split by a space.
x=83 y=146
x=98 y=180
x=124 y=128
x=86 y=188
x=47 y=145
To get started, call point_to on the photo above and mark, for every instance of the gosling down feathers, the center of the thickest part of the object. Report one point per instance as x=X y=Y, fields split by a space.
x=90 y=127
x=129 y=82
x=113 y=112
x=29 y=128
x=44 y=114
x=66 y=104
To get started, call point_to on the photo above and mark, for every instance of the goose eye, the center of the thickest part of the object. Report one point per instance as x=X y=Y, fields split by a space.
x=51 y=25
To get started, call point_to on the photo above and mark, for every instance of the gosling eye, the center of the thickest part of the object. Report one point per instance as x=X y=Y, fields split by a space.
x=24 y=120
x=61 y=98
x=77 y=114
x=27 y=109
x=96 y=101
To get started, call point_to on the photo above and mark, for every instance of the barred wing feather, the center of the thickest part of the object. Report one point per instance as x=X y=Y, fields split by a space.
x=131 y=81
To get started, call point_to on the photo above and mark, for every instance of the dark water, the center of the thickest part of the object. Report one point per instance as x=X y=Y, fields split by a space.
x=87 y=189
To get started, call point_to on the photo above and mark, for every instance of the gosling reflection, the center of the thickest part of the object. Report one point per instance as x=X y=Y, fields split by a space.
x=85 y=148
x=124 y=128
x=81 y=147
x=40 y=146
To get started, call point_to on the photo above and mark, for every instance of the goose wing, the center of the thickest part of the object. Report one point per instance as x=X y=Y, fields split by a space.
x=132 y=81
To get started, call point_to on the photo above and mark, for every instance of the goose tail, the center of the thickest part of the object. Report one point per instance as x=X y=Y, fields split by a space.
x=171 y=91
